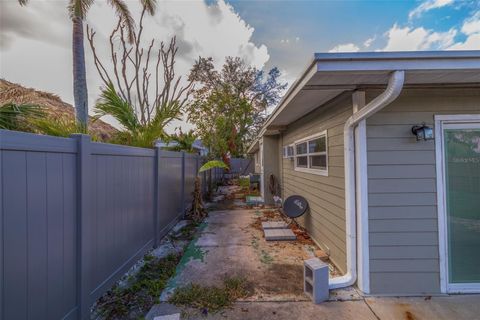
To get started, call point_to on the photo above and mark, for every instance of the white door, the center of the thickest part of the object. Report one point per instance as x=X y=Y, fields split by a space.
x=460 y=194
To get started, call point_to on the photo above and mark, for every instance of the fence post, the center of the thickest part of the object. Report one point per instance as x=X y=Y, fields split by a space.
x=156 y=188
x=84 y=236
x=183 y=186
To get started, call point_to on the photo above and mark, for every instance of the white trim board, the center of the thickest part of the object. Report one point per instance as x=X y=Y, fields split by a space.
x=440 y=120
x=321 y=172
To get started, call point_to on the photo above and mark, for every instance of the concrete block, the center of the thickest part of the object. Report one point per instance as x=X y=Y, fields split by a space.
x=315 y=283
x=274 y=225
x=279 y=235
x=175 y=316
x=163 y=311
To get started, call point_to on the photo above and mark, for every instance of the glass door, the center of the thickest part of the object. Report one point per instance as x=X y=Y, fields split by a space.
x=461 y=143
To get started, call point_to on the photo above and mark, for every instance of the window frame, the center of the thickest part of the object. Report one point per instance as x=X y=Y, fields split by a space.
x=285 y=151
x=308 y=169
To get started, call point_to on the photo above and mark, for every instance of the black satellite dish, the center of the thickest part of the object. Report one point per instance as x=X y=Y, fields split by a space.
x=295 y=206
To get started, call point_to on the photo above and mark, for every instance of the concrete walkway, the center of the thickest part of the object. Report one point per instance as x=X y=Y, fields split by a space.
x=229 y=245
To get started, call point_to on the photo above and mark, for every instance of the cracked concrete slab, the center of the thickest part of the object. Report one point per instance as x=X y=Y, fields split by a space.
x=229 y=246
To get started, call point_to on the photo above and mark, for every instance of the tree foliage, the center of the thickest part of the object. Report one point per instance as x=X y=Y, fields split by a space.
x=230 y=104
x=135 y=132
x=141 y=89
x=182 y=141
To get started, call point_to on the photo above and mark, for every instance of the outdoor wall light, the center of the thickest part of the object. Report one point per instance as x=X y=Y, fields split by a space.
x=423 y=132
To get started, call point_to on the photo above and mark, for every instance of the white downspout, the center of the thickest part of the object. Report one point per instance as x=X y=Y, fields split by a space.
x=395 y=85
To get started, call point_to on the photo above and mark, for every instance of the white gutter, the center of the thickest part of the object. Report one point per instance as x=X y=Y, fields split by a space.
x=395 y=86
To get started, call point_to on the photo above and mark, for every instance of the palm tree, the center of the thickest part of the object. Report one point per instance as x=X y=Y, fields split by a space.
x=77 y=10
x=183 y=141
x=135 y=132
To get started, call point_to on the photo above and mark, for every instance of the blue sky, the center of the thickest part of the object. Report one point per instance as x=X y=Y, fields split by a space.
x=35 y=40
x=313 y=26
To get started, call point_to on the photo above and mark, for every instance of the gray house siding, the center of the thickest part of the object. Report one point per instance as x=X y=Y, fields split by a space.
x=404 y=254
x=325 y=194
x=271 y=166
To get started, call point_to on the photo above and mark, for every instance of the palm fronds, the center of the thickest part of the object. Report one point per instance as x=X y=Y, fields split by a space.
x=111 y=103
x=123 y=13
x=135 y=133
x=78 y=8
x=16 y=116
x=213 y=164
x=59 y=127
x=183 y=141
x=150 y=6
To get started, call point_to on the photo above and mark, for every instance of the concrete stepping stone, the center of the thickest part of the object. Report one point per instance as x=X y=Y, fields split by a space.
x=163 y=311
x=274 y=225
x=279 y=235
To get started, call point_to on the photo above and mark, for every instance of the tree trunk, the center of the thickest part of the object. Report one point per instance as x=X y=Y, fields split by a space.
x=80 y=94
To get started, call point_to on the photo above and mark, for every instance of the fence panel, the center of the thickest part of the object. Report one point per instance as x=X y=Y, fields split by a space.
x=38 y=201
x=170 y=189
x=241 y=166
x=191 y=163
x=75 y=215
x=123 y=210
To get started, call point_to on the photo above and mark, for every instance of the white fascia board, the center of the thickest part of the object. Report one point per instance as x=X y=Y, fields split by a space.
x=383 y=55
x=406 y=65
x=298 y=85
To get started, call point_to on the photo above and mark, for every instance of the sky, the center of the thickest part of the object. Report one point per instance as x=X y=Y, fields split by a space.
x=35 y=40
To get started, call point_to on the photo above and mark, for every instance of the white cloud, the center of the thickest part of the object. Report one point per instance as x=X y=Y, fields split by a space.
x=405 y=39
x=472 y=24
x=367 y=43
x=471 y=28
x=427 y=6
x=347 y=47
x=35 y=41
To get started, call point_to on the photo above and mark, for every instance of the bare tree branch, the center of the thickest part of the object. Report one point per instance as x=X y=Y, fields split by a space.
x=131 y=69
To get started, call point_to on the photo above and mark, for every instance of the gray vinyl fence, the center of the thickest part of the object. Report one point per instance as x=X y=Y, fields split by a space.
x=242 y=166
x=76 y=215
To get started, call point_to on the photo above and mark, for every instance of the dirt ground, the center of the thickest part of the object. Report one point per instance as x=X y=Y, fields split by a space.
x=232 y=244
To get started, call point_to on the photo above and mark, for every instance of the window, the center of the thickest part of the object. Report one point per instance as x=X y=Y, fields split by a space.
x=288 y=151
x=311 y=154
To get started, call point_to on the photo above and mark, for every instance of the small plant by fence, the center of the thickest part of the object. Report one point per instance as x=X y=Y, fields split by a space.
x=77 y=214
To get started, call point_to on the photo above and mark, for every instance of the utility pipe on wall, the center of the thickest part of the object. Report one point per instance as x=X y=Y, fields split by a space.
x=394 y=87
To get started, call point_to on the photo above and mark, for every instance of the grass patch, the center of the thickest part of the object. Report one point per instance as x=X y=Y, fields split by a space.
x=210 y=298
x=265 y=257
x=244 y=182
x=142 y=291
x=187 y=232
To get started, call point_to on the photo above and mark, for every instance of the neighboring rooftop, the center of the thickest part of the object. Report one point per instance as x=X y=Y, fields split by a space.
x=54 y=106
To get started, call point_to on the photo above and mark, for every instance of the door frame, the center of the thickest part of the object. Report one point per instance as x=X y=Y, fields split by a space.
x=440 y=121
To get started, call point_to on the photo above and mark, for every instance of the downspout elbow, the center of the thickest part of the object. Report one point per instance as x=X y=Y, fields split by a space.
x=393 y=90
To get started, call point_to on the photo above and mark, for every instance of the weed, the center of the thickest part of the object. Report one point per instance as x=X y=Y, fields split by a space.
x=254 y=242
x=210 y=298
x=187 y=232
x=142 y=293
x=265 y=257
